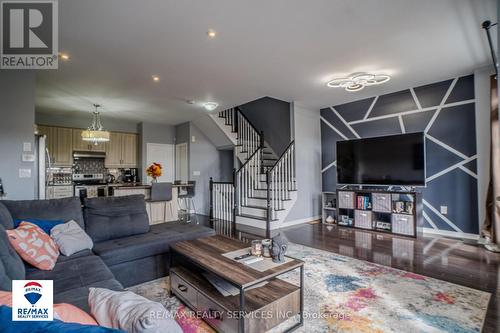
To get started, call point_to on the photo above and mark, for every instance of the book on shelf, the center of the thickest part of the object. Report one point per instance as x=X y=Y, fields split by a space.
x=363 y=202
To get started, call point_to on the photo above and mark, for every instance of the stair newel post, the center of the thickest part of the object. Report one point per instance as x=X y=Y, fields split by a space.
x=235 y=205
x=268 y=204
x=235 y=120
x=211 y=214
x=261 y=146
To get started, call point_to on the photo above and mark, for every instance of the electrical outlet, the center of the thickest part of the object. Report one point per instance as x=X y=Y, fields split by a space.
x=444 y=210
x=196 y=173
x=193 y=139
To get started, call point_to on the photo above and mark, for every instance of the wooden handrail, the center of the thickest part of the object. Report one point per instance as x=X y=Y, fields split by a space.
x=282 y=154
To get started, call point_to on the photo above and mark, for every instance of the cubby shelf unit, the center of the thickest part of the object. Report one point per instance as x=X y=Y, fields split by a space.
x=395 y=212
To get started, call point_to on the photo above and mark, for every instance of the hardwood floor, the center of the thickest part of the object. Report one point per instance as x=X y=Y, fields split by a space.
x=442 y=258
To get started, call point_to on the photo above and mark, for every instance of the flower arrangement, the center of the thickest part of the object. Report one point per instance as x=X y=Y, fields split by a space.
x=154 y=171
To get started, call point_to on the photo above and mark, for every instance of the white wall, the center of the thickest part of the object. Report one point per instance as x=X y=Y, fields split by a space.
x=17 y=114
x=482 y=94
x=203 y=159
x=306 y=132
x=152 y=133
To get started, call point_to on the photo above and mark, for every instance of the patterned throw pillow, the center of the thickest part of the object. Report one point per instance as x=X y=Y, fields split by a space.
x=34 y=246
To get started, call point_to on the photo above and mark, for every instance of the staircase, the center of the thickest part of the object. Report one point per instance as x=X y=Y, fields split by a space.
x=263 y=189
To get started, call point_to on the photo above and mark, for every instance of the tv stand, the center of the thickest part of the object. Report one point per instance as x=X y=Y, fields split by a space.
x=383 y=210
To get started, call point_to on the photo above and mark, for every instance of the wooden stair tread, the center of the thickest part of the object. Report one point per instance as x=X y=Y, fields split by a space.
x=259 y=207
x=254 y=217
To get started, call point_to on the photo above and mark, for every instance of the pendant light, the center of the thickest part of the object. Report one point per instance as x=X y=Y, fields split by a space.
x=95 y=133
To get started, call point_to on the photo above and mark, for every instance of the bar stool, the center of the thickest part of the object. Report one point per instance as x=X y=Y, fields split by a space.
x=162 y=192
x=186 y=202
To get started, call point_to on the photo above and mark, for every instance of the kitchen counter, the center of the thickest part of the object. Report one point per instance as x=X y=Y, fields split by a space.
x=143 y=186
x=130 y=185
x=158 y=211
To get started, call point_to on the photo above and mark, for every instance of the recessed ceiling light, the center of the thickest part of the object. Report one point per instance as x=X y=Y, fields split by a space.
x=64 y=56
x=357 y=81
x=156 y=78
x=211 y=33
x=210 y=106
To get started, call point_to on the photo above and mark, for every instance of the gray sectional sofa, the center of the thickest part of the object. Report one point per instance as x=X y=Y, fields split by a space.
x=127 y=250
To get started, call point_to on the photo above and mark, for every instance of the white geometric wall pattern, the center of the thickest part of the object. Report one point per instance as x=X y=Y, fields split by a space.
x=445 y=111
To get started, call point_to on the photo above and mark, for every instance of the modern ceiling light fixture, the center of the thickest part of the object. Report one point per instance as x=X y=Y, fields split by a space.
x=211 y=33
x=156 y=78
x=210 y=106
x=357 y=81
x=95 y=133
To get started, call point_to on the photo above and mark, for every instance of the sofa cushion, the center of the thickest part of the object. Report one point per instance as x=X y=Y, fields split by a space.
x=115 y=217
x=65 y=209
x=11 y=264
x=76 y=255
x=156 y=241
x=80 y=296
x=75 y=273
x=5 y=217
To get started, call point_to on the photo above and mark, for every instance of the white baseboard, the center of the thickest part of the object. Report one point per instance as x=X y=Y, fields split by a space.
x=300 y=221
x=452 y=234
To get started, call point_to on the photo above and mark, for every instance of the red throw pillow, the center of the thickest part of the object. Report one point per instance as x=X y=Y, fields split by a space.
x=34 y=246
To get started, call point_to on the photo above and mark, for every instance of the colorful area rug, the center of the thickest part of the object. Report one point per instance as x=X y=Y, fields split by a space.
x=347 y=295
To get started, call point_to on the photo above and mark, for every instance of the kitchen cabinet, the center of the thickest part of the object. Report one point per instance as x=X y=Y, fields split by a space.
x=80 y=145
x=121 y=151
x=59 y=144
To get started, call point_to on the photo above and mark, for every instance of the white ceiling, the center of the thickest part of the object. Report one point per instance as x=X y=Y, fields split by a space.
x=287 y=49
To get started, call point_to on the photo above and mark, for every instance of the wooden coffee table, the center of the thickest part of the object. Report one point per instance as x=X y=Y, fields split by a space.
x=255 y=309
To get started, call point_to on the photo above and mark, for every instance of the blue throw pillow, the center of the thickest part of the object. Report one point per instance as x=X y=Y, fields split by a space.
x=45 y=225
x=56 y=326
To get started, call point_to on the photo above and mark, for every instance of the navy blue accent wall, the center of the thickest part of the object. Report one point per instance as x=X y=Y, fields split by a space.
x=446 y=112
x=273 y=117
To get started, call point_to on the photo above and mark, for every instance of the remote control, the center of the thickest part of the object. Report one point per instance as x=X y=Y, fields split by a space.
x=243 y=256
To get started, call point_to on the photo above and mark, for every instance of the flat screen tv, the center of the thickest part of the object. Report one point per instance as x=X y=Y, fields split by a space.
x=386 y=160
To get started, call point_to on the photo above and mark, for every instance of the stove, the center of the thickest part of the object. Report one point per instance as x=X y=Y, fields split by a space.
x=88 y=178
x=90 y=185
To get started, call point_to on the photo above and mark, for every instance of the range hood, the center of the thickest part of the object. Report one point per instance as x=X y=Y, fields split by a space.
x=88 y=154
